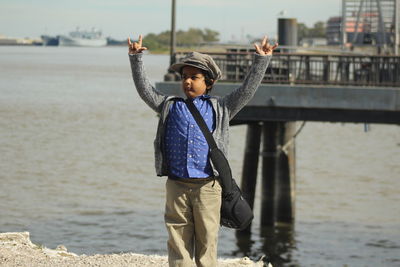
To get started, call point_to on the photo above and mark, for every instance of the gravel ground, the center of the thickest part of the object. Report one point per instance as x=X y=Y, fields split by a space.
x=16 y=249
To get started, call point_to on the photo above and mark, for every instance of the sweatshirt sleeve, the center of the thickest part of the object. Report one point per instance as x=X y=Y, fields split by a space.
x=238 y=98
x=151 y=96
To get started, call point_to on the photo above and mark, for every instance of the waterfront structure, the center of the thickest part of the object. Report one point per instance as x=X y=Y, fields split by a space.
x=5 y=40
x=300 y=87
x=313 y=41
x=83 y=38
x=271 y=117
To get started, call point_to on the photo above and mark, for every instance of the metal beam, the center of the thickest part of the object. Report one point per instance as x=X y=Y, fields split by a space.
x=316 y=103
x=257 y=114
x=308 y=97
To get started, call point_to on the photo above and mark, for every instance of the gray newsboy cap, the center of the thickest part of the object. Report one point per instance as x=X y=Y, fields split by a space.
x=201 y=61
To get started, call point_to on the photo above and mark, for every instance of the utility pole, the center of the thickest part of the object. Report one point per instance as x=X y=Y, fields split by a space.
x=173 y=34
x=343 y=26
x=170 y=76
x=396 y=27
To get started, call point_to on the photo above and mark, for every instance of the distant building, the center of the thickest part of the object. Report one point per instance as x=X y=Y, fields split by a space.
x=4 y=40
x=313 y=41
x=369 y=22
x=333 y=27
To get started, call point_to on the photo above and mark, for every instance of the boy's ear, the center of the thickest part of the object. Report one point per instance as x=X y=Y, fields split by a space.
x=210 y=84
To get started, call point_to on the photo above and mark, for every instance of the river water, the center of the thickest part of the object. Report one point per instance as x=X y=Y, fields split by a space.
x=76 y=168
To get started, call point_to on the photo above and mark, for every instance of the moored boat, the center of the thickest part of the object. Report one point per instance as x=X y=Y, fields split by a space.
x=49 y=40
x=83 y=38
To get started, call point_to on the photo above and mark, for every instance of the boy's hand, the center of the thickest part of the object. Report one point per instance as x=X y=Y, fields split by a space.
x=265 y=48
x=136 y=47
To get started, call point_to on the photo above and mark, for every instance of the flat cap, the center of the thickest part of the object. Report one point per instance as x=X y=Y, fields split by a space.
x=201 y=61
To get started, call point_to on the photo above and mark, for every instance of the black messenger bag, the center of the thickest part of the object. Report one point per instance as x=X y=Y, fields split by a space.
x=235 y=211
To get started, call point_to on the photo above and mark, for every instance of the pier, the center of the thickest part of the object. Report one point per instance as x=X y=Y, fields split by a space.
x=325 y=88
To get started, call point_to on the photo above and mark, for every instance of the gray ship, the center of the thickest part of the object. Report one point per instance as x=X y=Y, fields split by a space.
x=91 y=38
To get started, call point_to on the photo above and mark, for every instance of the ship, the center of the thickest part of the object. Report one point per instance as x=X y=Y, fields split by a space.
x=83 y=38
x=49 y=40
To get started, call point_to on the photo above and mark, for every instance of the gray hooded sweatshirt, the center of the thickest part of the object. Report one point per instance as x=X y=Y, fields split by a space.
x=225 y=107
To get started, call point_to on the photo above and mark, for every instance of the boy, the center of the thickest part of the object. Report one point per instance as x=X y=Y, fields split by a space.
x=193 y=192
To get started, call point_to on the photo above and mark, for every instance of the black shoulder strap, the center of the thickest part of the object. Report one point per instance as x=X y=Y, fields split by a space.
x=217 y=157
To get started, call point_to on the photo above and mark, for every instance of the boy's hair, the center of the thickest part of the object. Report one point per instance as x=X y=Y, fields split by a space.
x=209 y=82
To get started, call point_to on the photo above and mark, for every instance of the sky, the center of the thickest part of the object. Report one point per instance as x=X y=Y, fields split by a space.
x=233 y=19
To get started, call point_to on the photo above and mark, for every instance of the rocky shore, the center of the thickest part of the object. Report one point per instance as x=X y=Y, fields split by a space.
x=16 y=249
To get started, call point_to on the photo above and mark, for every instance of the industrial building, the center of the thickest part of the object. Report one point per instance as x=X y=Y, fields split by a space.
x=367 y=22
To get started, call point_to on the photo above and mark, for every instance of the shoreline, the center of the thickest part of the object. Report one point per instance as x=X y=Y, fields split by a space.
x=16 y=249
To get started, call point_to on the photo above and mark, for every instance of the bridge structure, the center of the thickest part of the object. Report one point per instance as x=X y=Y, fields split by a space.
x=300 y=87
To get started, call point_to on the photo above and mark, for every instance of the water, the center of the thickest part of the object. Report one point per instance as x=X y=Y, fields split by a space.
x=76 y=168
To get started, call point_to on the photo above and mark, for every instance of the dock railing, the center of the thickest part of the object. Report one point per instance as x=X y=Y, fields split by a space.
x=296 y=68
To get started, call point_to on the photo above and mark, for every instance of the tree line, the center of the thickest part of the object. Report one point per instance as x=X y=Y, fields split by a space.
x=319 y=30
x=195 y=36
x=191 y=37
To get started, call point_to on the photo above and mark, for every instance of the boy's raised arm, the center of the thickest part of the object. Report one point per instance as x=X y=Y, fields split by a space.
x=238 y=98
x=136 y=47
x=265 y=49
x=146 y=90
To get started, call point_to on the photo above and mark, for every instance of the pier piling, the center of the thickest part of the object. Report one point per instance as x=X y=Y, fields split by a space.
x=250 y=164
x=278 y=172
x=285 y=183
x=268 y=173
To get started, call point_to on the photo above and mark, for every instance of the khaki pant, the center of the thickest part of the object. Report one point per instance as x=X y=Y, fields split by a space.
x=192 y=218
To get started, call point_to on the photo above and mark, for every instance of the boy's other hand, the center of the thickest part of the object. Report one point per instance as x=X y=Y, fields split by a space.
x=265 y=48
x=136 y=47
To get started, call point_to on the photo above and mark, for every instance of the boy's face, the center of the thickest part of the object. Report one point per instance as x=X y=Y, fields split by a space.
x=193 y=82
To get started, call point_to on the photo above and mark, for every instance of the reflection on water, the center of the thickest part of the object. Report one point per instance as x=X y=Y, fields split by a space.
x=77 y=168
x=277 y=245
x=321 y=244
